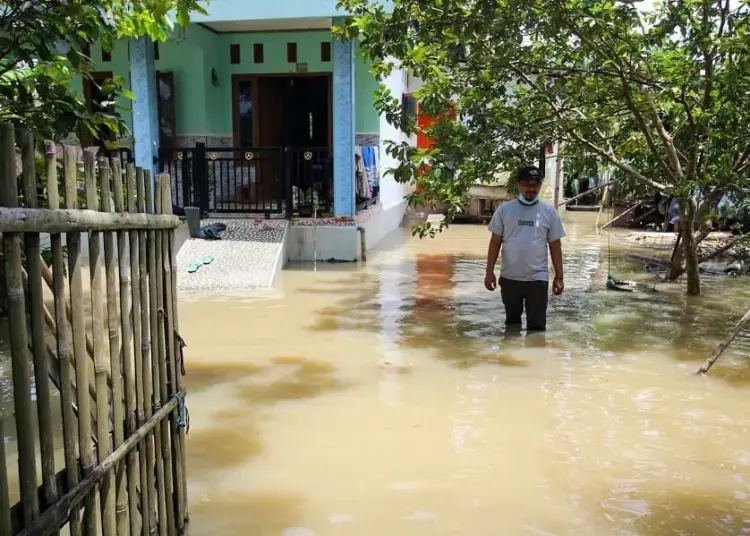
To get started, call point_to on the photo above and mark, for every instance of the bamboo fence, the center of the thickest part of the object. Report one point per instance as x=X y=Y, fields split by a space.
x=106 y=360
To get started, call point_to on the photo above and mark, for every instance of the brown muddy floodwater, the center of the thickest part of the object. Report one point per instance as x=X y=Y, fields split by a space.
x=384 y=399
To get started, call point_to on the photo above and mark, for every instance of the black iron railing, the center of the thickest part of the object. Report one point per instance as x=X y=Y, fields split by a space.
x=260 y=180
x=310 y=172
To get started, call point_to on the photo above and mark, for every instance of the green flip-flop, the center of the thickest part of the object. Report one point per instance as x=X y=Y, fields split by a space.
x=208 y=259
x=193 y=267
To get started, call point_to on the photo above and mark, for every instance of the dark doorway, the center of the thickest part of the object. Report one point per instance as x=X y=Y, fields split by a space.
x=306 y=111
x=282 y=111
x=291 y=113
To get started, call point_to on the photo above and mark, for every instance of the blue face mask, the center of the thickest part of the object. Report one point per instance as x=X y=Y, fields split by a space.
x=527 y=202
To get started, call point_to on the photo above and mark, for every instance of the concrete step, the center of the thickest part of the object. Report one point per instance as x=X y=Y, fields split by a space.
x=248 y=257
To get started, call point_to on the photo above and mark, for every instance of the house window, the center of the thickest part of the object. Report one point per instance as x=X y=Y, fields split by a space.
x=156 y=50
x=106 y=55
x=291 y=52
x=325 y=51
x=258 y=53
x=234 y=54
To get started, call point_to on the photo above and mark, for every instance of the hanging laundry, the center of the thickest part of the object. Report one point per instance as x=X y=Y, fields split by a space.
x=369 y=156
x=360 y=176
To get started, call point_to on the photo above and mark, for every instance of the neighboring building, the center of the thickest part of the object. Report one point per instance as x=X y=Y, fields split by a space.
x=255 y=109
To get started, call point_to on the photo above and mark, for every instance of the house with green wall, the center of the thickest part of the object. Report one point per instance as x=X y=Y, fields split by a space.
x=254 y=108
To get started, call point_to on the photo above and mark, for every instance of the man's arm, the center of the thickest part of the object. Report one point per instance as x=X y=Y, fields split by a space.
x=555 y=253
x=493 y=251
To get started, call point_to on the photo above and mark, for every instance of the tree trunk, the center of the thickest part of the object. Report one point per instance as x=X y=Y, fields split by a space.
x=678 y=259
x=685 y=254
x=690 y=249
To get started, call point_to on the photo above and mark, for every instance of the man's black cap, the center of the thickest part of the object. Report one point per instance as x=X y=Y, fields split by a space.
x=529 y=173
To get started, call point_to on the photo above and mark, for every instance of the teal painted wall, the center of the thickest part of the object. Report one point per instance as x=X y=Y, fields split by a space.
x=226 y=10
x=202 y=108
x=367 y=117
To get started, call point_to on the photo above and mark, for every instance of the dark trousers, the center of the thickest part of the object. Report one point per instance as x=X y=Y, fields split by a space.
x=529 y=294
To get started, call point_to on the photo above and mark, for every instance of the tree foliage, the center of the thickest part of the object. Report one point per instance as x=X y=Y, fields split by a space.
x=43 y=49
x=661 y=91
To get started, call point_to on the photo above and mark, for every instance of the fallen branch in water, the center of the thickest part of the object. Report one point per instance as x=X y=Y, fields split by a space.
x=719 y=251
x=723 y=345
x=622 y=216
x=587 y=192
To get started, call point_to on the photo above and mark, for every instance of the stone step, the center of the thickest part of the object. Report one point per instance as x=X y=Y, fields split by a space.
x=248 y=257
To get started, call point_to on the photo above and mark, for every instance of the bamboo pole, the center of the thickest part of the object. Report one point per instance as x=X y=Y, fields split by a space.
x=61 y=336
x=123 y=252
x=79 y=343
x=163 y=180
x=5 y=521
x=19 y=220
x=96 y=266
x=723 y=345
x=115 y=365
x=55 y=515
x=153 y=281
x=21 y=366
x=52 y=324
x=39 y=345
x=145 y=199
x=134 y=201
x=178 y=429
x=49 y=279
x=160 y=370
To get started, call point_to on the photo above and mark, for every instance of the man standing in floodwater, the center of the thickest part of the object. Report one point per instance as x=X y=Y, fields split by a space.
x=523 y=230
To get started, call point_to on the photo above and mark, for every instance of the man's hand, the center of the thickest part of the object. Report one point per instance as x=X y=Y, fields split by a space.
x=558 y=286
x=490 y=281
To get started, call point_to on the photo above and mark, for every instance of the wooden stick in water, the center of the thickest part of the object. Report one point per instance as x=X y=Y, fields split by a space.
x=123 y=253
x=75 y=275
x=160 y=368
x=723 y=345
x=96 y=264
x=135 y=194
x=67 y=395
x=21 y=364
x=39 y=345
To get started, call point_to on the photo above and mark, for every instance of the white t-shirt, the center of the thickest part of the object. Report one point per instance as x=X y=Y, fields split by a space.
x=526 y=232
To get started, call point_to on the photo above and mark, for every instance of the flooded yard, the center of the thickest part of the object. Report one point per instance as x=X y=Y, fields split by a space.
x=386 y=399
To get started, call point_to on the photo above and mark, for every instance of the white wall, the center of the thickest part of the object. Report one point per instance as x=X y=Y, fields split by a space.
x=391 y=192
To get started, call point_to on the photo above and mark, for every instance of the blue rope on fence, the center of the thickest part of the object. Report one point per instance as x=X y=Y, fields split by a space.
x=183 y=416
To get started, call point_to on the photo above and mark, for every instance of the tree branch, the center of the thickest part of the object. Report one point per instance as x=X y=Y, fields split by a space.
x=665 y=136
x=619 y=164
x=644 y=127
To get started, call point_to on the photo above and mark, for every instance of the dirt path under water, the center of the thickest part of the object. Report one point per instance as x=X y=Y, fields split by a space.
x=384 y=399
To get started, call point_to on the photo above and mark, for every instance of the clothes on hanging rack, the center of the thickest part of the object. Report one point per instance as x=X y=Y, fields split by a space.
x=367 y=172
x=359 y=174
